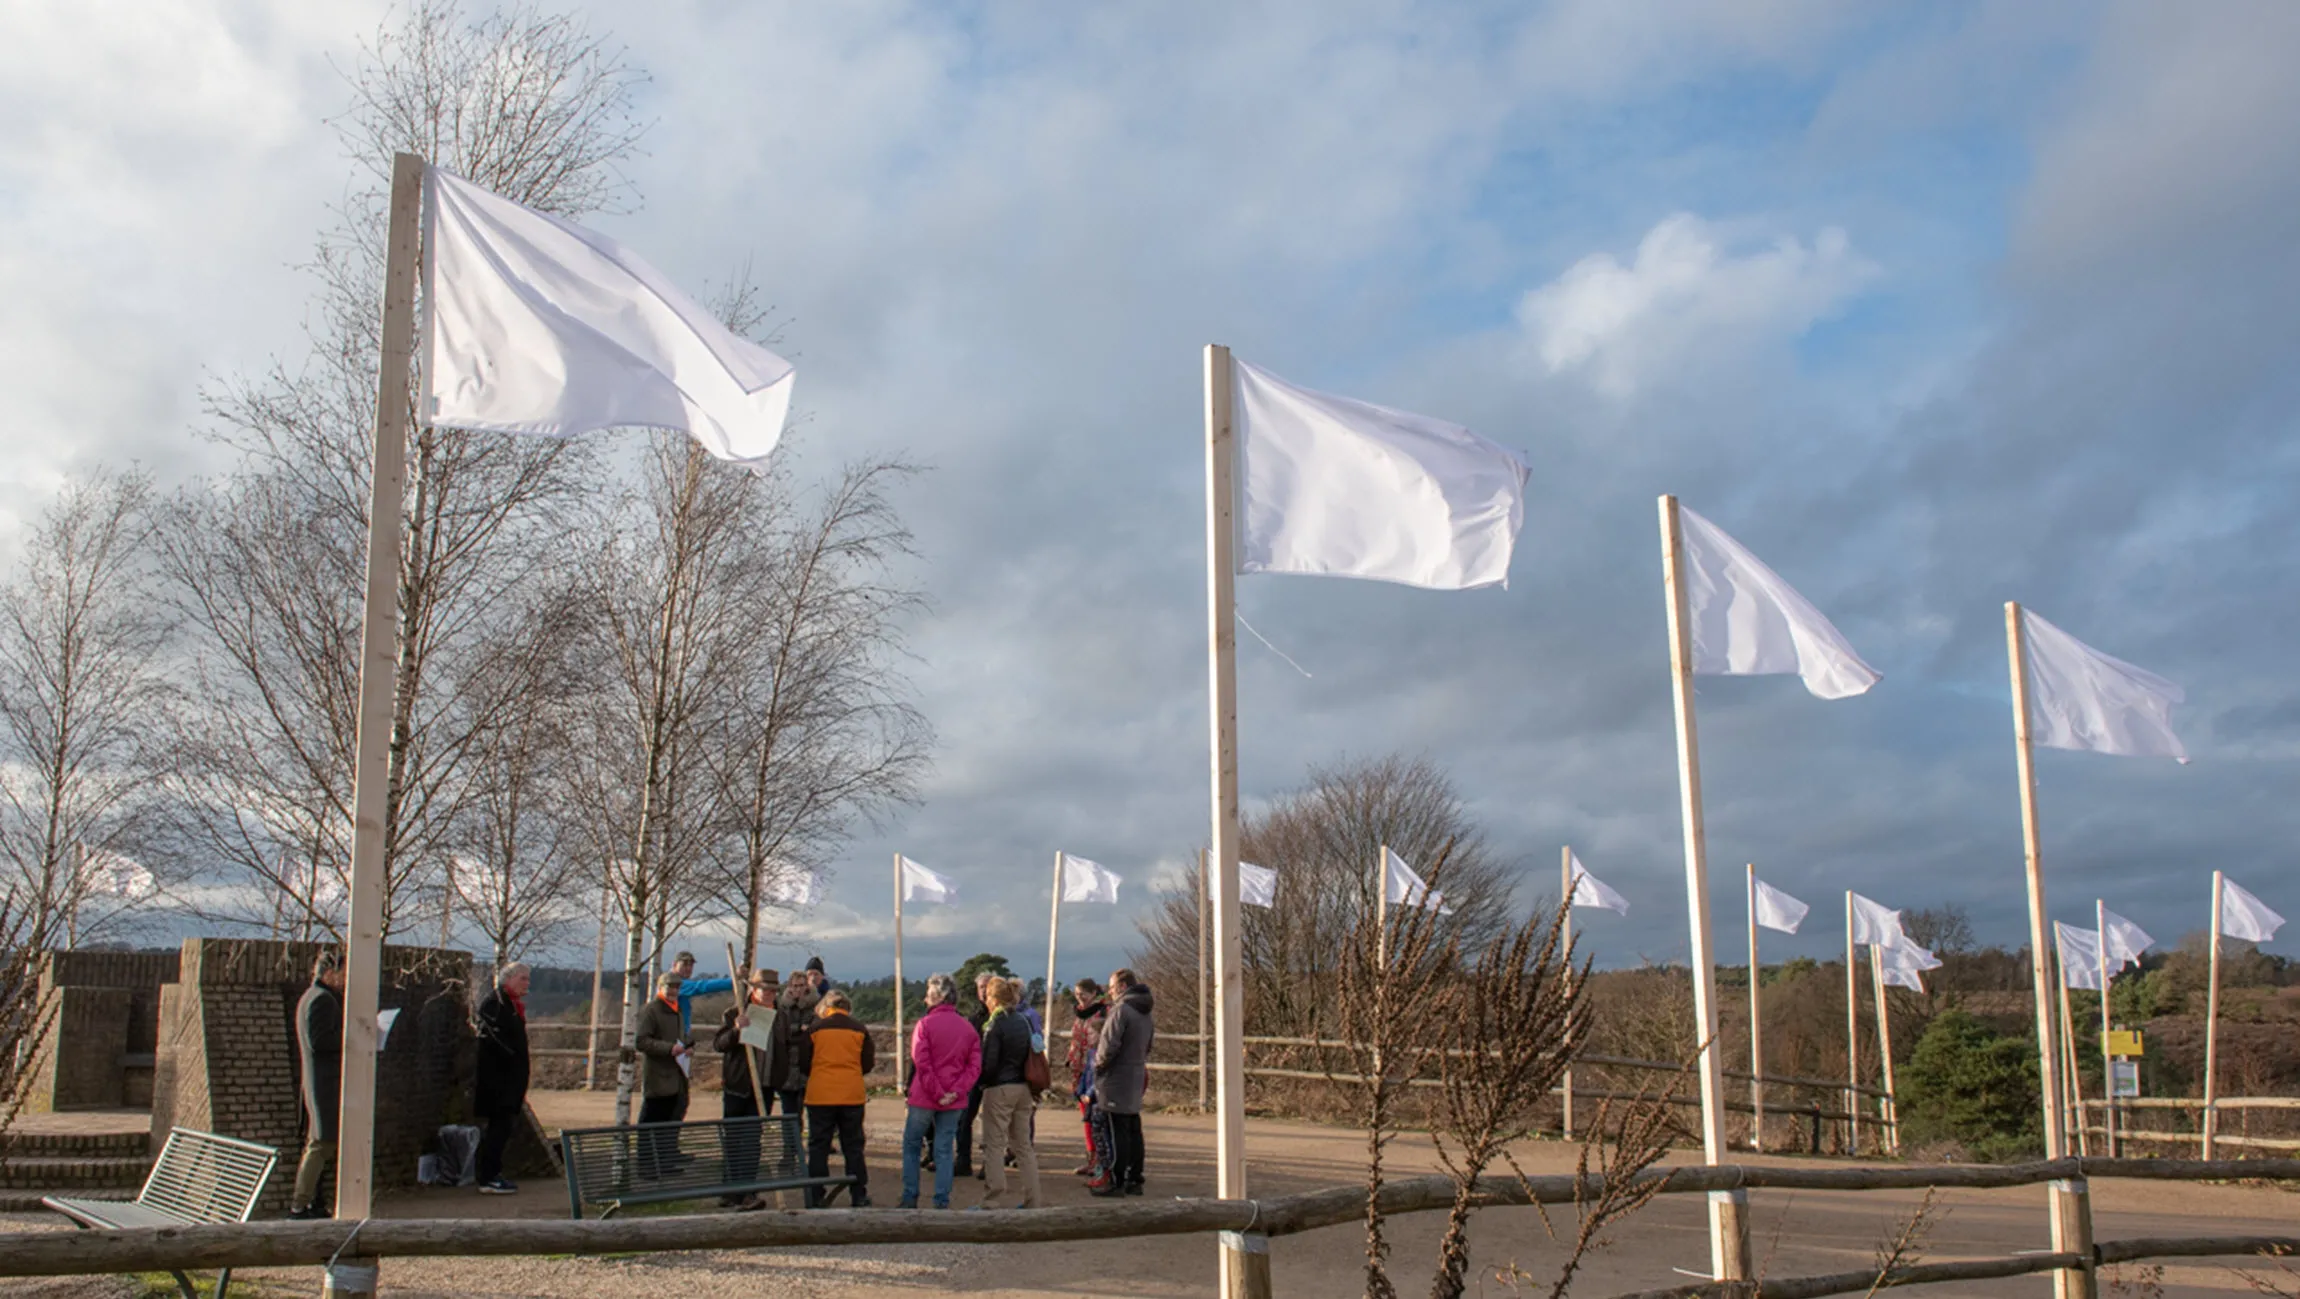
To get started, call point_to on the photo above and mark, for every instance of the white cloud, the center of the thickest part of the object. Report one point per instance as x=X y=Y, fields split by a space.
x=1686 y=300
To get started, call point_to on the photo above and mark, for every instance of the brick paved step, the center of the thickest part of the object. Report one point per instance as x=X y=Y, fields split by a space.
x=75 y=1145
x=47 y=1175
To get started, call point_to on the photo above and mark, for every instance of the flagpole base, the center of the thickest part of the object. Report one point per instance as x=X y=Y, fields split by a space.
x=1245 y=1265
x=349 y=1278
x=1729 y=1258
x=2072 y=1234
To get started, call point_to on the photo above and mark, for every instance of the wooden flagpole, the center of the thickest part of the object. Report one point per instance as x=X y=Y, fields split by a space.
x=1852 y=1036
x=2212 y=1028
x=1205 y=983
x=1729 y=1256
x=378 y=699
x=738 y=975
x=1756 y=1029
x=1053 y=930
x=2107 y=1061
x=2071 y=1199
x=1245 y=1259
x=902 y=1043
x=1892 y=1106
x=2071 y=1096
x=1565 y=1080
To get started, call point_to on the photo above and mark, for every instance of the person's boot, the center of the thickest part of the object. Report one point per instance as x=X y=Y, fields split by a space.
x=1108 y=1190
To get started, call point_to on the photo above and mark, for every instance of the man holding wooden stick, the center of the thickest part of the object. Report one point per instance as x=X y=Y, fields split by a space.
x=748 y=1073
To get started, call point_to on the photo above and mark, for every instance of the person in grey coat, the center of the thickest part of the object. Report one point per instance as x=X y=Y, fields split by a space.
x=1121 y=1075
x=319 y=1049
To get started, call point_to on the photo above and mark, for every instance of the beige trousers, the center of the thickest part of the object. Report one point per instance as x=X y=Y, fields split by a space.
x=1006 y=1126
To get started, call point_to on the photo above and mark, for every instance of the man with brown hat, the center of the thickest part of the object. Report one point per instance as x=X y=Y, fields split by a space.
x=669 y=1055
x=737 y=1099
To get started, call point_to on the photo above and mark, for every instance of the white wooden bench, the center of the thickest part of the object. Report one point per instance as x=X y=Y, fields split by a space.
x=198 y=1178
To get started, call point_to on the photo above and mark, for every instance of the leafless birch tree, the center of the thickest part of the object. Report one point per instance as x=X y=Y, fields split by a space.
x=81 y=687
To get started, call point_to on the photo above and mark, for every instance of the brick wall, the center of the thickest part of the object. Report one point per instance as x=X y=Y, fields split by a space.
x=95 y=1051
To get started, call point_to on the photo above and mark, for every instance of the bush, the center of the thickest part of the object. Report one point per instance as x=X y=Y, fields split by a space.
x=1968 y=1084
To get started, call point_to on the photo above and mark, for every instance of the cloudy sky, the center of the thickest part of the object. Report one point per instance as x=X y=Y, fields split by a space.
x=1962 y=304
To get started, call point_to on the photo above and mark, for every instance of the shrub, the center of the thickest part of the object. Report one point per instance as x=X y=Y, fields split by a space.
x=1968 y=1084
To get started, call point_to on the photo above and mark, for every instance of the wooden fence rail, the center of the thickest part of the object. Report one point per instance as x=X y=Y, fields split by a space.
x=286 y=1244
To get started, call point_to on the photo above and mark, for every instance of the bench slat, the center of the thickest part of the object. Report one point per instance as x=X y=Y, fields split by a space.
x=655 y=1162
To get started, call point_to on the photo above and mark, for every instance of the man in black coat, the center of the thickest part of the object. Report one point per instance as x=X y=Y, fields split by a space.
x=319 y=1045
x=499 y=1092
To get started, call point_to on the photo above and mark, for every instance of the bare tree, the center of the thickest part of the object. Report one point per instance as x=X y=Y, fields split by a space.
x=25 y=1010
x=81 y=686
x=1513 y=1022
x=819 y=731
x=269 y=561
x=1323 y=840
x=1392 y=971
x=671 y=593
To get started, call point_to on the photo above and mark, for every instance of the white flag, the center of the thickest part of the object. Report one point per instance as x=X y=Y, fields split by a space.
x=2245 y=916
x=2080 y=698
x=2124 y=939
x=1777 y=910
x=111 y=874
x=1902 y=965
x=922 y=885
x=793 y=889
x=1748 y=622
x=1257 y=885
x=538 y=325
x=1085 y=881
x=1343 y=488
x=2079 y=956
x=1877 y=925
x=1590 y=891
x=1402 y=886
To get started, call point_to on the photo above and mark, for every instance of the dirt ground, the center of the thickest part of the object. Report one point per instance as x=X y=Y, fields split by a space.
x=1796 y=1233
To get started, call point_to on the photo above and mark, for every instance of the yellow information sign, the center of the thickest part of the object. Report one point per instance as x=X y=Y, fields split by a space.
x=2122 y=1041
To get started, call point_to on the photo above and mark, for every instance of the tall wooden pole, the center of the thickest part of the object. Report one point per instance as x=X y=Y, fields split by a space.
x=1205 y=981
x=1756 y=1029
x=738 y=974
x=598 y=990
x=2072 y=1096
x=378 y=698
x=1852 y=1036
x=2212 y=1028
x=1729 y=1257
x=1237 y=1270
x=2071 y=1199
x=1565 y=883
x=902 y=1043
x=2107 y=1061
x=1892 y=1106
x=1053 y=931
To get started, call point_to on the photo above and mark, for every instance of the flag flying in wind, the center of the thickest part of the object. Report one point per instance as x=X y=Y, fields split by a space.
x=922 y=885
x=2245 y=916
x=1748 y=622
x=1590 y=891
x=1902 y=965
x=1085 y=881
x=1402 y=886
x=792 y=889
x=2125 y=940
x=1344 y=488
x=1877 y=925
x=2079 y=955
x=1257 y=885
x=537 y=325
x=1777 y=910
x=2080 y=698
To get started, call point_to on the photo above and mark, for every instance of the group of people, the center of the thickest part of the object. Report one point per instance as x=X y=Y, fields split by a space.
x=966 y=1067
x=986 y=1065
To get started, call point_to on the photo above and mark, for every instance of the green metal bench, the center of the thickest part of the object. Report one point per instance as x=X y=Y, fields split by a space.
x=199 y=1178
x=653 y=1163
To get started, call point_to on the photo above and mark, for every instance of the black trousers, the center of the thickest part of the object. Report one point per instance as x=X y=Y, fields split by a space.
x=739 y=1147
x=1126 y=1159
x=845 y=1122
x=659 y=1149
x=492 y=1143
x=966 y=1132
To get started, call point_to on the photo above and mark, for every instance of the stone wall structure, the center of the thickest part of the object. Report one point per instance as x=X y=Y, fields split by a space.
x=98 y=1049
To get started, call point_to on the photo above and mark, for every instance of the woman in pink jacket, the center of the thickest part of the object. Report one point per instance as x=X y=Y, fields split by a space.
x=945 y=1059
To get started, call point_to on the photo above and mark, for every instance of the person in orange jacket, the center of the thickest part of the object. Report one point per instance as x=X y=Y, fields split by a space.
x=835 y=1054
